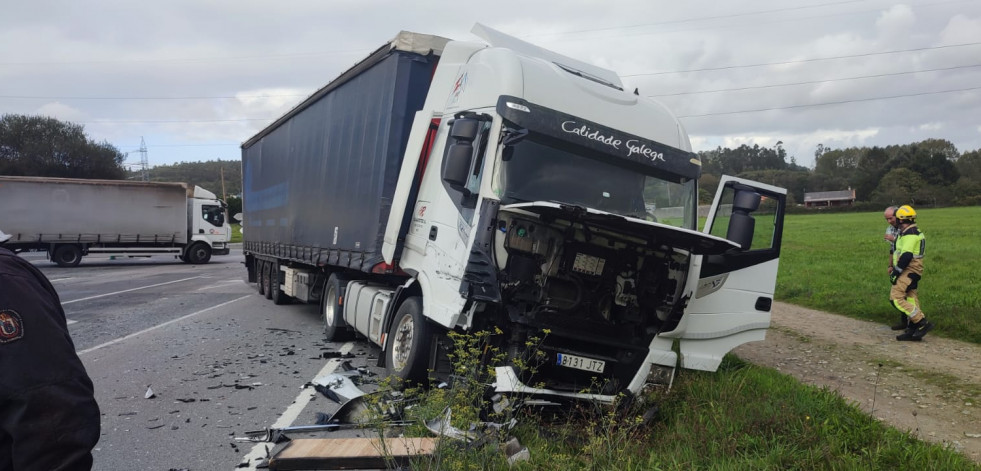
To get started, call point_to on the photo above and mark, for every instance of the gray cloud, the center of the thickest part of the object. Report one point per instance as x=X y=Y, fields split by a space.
x=197 y=78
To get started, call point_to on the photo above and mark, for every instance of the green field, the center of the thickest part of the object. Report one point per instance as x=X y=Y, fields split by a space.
x=837 y=262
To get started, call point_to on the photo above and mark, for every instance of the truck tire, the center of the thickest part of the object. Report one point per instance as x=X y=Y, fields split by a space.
x=331 y=311
x=67 y=255
x=409 y=339
x=260 y=277
x=267 y=279
x=198 y=253
x=275 y=275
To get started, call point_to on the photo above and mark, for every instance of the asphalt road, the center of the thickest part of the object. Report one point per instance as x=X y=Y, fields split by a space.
x=220 y=359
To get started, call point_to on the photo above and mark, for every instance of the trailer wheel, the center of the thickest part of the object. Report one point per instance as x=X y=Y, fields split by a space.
x=407 y=353
x=260 y=276
x=277 y=295
x=198 y=253
x=332 y=311
x=67 y=255
x=267 y=279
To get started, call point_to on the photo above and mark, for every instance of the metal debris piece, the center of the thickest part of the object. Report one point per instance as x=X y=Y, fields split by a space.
x=441 y=427
x=338 y=387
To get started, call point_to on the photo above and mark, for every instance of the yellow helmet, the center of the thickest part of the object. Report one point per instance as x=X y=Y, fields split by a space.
x=905 y=213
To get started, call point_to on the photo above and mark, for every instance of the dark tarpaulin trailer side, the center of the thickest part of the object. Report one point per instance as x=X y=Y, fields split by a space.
x=318 y=182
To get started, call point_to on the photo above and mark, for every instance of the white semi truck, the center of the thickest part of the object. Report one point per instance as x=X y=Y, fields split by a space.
x=70 y=218
x=442 y=186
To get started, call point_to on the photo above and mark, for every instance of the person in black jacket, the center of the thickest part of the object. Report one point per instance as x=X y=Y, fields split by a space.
x=49 y=419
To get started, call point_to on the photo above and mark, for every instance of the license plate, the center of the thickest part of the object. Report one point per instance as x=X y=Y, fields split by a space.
x=580 y=363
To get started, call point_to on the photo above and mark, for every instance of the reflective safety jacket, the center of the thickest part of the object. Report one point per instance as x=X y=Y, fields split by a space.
x=910 y=248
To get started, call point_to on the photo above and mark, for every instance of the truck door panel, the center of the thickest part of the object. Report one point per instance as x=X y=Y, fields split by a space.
x=732 y=292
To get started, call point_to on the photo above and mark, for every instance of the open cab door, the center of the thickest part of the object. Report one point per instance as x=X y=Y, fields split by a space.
x=731 y=294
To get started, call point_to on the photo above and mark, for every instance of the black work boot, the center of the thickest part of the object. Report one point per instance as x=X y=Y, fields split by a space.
x=903 y=322
x=915 y=332
x=908 y=336
x=921 y=328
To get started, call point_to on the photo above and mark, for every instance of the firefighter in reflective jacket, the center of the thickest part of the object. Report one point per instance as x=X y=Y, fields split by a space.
x=49 y=419
x=907 y=270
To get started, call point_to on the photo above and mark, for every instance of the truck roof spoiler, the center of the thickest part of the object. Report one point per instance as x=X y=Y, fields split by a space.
x=498 y=39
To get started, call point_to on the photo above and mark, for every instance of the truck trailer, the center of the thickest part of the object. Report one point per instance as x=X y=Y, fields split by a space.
x=70 y=218
x=495 y=186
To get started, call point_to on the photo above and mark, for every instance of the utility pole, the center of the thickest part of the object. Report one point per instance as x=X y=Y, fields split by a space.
x=144 y=162
x=221 y=171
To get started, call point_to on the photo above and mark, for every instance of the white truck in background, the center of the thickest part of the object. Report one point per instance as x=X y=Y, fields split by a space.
x=442 y=186
x=71 y=218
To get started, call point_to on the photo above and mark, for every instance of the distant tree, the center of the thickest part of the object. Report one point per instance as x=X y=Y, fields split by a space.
x=969 y=165
x=943 y=147
x=725 y=161
x=871 y=168
x=234 y=206
x=46 y=147
x=900 y=186
x=707 y=186
x=838 y=164
x=967 y=189
x=931 y=162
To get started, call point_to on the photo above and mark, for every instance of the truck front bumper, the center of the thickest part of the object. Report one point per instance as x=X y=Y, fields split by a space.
x=508 y=382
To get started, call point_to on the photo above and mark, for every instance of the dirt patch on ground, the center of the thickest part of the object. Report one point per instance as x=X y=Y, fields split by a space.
x=931 y=388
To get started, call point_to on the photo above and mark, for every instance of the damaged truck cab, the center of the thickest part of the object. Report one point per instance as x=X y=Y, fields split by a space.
x=539 y=200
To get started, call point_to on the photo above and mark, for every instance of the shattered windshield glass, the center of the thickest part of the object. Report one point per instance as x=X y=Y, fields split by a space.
x=535 y=171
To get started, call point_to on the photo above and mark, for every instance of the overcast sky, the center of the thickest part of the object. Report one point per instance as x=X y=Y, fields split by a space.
x=196 y=78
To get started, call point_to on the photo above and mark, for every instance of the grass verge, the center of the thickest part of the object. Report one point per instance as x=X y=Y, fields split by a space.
x=741 y=417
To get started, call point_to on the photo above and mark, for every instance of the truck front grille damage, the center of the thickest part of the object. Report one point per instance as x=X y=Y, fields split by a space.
x=583 y=305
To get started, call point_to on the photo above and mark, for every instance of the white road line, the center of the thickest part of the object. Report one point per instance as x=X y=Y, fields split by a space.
x=69 y=321
x=293 y=411
x=55 y=280
x=128 y=290
x=220 y=284
x=120 y=339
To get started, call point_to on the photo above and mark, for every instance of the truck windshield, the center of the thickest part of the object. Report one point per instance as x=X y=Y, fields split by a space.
x=535 y=171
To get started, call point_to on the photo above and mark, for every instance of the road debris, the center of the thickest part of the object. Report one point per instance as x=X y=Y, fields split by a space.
x=338 y=387
x=149 y=393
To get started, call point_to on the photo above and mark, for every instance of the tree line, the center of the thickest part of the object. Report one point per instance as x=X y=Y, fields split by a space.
x=42 y=146
x=931 y=172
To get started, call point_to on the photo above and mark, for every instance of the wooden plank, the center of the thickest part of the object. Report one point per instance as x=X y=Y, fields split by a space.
x=349 y=453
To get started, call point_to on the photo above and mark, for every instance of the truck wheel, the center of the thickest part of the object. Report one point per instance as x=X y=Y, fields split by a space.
x=267 y=279
x=67 y=255
x=407 y=353
x=198 y=253
x=332 y=311
x=260 y=276
x=275 y=275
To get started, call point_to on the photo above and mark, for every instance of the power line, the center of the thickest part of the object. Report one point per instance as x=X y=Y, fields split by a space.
x=816 y=59
x=856 y=100
x=813 y=81
x=692 y=20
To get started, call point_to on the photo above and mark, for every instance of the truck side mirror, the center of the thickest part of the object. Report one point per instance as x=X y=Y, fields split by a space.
x=741 y=224
x=464 y=129
x=456 y=165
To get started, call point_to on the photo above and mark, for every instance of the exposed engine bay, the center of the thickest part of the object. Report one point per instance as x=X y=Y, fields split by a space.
x=573 y=276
